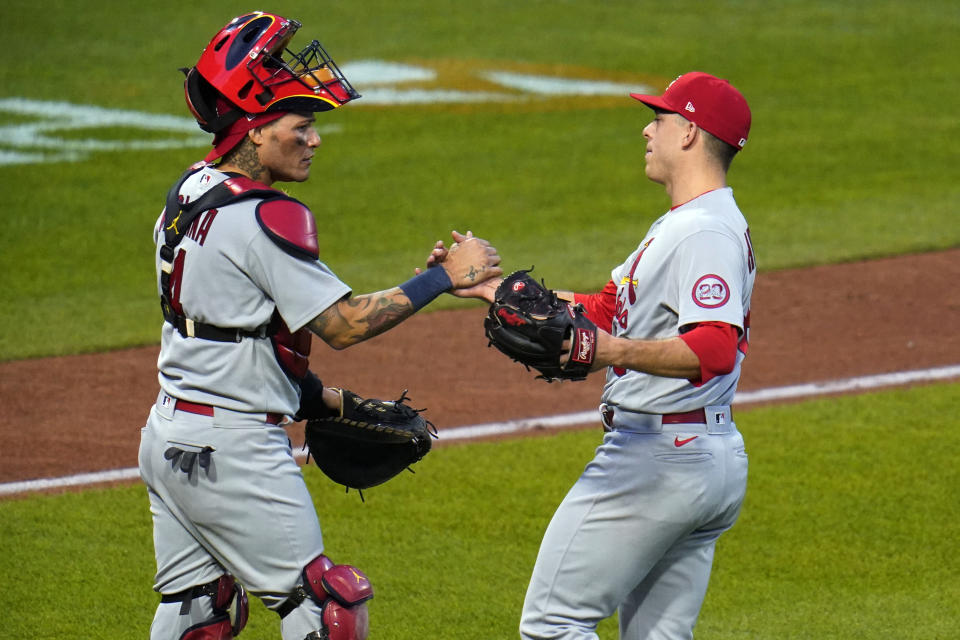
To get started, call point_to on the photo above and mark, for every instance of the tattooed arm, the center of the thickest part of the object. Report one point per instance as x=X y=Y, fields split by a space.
x=468 y=263
x=355 y=319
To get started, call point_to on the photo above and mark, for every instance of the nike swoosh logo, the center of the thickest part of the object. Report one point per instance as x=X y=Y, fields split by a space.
x=677 y=442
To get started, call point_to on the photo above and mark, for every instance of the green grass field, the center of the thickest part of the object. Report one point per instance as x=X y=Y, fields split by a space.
x=848 y=531
x=849 y=157
x=850 y=524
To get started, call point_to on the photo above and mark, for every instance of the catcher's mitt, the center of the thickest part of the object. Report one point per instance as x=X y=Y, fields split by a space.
x=370 y=441
x=529 y=323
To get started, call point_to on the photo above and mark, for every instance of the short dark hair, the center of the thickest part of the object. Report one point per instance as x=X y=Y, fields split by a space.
x=721 y=151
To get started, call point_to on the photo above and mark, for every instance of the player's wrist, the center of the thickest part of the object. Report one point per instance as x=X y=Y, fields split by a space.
x=489 y=289
x=610 y=351
x=427 y=285
x=312 y=403
x=333 y=400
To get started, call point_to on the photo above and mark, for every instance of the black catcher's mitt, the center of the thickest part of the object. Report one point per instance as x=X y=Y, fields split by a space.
x=370 y=441
x=529 y=323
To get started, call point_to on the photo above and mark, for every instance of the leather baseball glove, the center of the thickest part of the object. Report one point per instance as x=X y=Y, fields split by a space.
x=529 y=323
x=370 y=441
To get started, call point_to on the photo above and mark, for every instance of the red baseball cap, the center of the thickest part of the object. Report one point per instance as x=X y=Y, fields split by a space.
x=230 y=137
x=709 y=102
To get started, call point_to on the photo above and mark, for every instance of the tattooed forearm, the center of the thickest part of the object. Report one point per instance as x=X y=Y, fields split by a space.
x=321 y=324
x=377 y=313
x=356 y=319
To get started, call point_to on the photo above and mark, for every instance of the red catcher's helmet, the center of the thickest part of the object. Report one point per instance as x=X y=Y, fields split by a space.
x=248 y=64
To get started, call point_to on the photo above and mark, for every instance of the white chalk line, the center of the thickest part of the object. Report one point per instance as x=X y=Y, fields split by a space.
x=471 y=432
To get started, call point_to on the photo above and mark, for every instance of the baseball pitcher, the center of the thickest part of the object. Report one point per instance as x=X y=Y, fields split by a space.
x=637 y=532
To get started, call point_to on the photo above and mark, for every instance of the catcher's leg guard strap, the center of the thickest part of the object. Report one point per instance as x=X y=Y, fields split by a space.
x=316 y=568
x=342 y=591
x=231 y=607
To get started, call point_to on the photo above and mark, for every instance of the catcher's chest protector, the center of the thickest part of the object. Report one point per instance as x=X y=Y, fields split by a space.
x=285 y=221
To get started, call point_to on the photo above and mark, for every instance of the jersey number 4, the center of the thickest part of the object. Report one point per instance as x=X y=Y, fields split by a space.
x=176 y=278
x=197 y=232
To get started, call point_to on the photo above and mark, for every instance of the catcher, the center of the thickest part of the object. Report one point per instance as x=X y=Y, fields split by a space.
x=242 y=290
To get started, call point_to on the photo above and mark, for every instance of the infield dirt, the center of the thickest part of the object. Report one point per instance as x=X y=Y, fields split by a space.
x=77 y=414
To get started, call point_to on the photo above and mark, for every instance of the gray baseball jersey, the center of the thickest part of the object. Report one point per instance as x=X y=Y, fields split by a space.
x=233 y=275
x=637 y=531
x=244 y=508
x=694 y=265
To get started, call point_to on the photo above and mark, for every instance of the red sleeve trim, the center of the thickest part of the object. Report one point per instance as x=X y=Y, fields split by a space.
x=600 y=306
x=715 y=344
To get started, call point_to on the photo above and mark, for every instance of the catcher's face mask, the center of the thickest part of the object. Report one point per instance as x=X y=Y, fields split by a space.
x=248 y=63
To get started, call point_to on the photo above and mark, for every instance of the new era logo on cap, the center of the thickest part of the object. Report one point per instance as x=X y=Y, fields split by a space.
x=709 y=102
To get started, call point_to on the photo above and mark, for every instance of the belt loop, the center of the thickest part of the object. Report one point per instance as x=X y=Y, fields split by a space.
x=620 y=419
x=606 y=416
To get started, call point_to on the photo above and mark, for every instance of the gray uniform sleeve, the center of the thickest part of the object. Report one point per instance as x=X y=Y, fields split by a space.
x=301 y=289
x=710 y=277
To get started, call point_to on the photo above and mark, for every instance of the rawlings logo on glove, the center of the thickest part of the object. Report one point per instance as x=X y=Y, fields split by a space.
x=584 y=346
x=530 y=324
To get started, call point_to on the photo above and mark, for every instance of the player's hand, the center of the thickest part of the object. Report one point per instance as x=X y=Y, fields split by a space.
x=486 y=288
x=332 y=400
x=469 y=262
x=437 y=255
